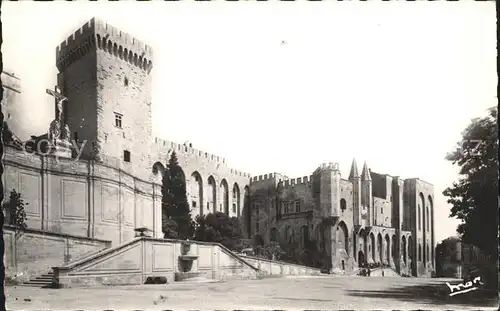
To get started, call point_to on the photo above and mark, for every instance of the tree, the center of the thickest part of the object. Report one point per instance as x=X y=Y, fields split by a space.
x=220 y=228
x=271 y=251
x=15 y=208
x=176 y=214
x=474 y=197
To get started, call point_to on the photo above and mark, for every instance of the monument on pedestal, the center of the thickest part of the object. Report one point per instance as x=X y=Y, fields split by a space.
x=59 y=132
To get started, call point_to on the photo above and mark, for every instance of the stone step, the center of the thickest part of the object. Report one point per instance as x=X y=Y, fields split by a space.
x=188 y=276
x=41 y=282
x=43 y=279
x=198 y=279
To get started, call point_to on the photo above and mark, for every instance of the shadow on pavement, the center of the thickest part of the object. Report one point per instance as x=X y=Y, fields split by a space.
x=437 y=293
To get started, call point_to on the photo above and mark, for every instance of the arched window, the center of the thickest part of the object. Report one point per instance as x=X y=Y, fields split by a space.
x=419 y=255
x=427 y=218
x=343 y=205
x=418 y=217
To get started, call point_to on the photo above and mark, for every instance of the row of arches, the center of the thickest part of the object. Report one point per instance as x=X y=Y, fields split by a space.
x=206 y=196
x=123 y=53
x=378 y=248
x=424 y=212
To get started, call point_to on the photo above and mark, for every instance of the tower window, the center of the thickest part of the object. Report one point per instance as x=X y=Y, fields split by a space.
x=194 y=204
x=118 y=120
x=125 y=81
x=343 y=205
x=126 y=155
x=297 y=206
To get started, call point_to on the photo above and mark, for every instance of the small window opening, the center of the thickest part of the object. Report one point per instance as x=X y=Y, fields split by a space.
x=118 y=120
x=194 y=204
x=126 y=155
x=125 y=81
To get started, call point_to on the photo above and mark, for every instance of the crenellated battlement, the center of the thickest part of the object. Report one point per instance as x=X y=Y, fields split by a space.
x=264 y=177
x=188 y=149
x=101 y=35
x=298 y=181
x=330 y=166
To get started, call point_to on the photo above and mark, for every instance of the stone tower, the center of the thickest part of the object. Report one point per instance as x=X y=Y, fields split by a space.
x=106 y=75
x=356 y=193
x=367 y=194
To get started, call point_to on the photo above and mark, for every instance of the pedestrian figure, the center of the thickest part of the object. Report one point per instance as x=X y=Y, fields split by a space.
x=382 y=272
x=369 y=271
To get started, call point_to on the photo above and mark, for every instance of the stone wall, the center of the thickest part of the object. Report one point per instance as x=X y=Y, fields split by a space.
x=132 y=263
x=35 y=252
x=279 y=268
x=12 y=105
x=82 y=198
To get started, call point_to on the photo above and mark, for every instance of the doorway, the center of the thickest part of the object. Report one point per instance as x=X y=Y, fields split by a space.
x=361 y=259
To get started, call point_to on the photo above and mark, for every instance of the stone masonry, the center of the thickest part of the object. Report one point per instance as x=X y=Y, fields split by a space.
x=115 y=186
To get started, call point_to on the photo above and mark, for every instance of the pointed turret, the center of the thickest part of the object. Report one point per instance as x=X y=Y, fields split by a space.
x=354 y=170
x=365 y=174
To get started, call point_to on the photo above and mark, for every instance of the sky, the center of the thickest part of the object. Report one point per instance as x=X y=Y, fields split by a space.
x=284 y=87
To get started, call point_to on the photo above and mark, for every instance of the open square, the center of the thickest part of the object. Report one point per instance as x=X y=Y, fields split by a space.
x=288 y=293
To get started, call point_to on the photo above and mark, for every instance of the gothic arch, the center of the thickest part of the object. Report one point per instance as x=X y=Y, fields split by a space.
x=379 y=248
x=247 y=213
x=236 y=200
x=393 y=248
x=224 y=197
x=387 y=248
x=403 y=248
x=196 y=192
x=343 y=237
x=158 y=169
x=421 y=208
x=211 y=195
x=430 y=205
x=362 y=242
x=410 y=249
x=372 y=246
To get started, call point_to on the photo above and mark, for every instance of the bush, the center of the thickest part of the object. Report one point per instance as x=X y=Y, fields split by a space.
x=218 y=227
x=15 y=208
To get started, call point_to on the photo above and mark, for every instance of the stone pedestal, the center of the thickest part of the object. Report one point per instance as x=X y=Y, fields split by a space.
x=62 y=149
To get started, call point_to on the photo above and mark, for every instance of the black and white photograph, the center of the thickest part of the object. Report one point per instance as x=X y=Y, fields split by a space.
x=249 y=155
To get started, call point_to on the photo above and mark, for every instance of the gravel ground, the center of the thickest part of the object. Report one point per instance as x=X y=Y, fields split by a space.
x=290 y=293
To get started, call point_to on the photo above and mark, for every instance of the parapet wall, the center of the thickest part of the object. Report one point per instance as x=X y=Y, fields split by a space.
x=188 y=149
x=105 y=37
x=11 y=82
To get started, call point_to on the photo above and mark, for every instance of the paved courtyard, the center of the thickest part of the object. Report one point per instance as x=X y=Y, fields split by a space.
x=289 y=293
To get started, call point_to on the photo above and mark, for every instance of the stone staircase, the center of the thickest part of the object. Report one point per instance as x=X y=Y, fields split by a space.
x=192 y=277
x=44 y=280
